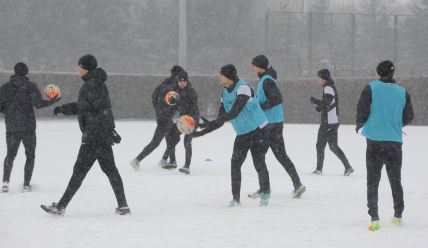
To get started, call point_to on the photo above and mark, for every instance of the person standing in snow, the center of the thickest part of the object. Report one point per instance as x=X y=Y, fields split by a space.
x=249 y=122
x=164 y=113
x=270 y=100
x=328 y=130
x=383 y=109
x=96 y=121
x=18 y=98
x=188 y=106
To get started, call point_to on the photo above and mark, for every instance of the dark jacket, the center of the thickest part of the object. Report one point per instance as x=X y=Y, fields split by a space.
x=93 y=108
x=188 y=104
x=272 y=92
x=163 y=110
x=365 y=101
x=18 y=98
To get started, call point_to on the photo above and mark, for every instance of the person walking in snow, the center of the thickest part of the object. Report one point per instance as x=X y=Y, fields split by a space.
x=96 y=121
x=328 y=106
x=18 y=98
x=270 y=100
x=383 y=109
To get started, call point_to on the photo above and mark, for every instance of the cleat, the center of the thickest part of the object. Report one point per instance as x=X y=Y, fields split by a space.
x=397 y=221
x=264 y=199
x=135 y=164
x=123 y=211
x=53 y=209
x=297 y=193
x=317 y=172
x=375 y=225
x=234 y=203
x=184 y=170
x=162 y=163
x=170 y=166
x=5 y=187
x=348 y=172
x=26 y=189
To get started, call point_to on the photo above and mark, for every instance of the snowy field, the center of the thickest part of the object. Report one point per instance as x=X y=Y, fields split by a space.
x=174 y=210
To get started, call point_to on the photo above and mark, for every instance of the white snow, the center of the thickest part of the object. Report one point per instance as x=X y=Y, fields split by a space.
x=174 y=210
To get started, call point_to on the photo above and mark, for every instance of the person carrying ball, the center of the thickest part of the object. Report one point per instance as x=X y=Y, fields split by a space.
x=189 y=116
x=164 y=100
x=18 y=98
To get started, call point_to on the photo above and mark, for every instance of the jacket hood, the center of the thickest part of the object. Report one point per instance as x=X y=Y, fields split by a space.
x=270 y=71
x=98 y=73
x=19 y=80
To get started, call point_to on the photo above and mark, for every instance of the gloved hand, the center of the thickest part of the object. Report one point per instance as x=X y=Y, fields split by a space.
x=58 y=109
x=313 y=100
x=319 y=108
x=358 y=127
x=115 y=138
x=55 y=100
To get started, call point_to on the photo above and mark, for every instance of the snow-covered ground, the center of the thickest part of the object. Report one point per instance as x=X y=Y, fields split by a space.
x=174 y=210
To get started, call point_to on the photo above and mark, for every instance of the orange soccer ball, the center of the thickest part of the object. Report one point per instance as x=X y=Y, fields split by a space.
x=186 y=124
x=172 y=97
x=51 y=91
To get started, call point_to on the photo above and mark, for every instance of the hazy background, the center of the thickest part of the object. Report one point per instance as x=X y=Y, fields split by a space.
x=141 y=36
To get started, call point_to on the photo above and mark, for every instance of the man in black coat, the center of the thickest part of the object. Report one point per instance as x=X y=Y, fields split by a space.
x=188 y=105
x=164 y=114
x=96 y=121
x=18 y=98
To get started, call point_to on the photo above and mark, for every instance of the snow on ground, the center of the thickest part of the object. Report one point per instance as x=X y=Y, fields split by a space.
x=174 y=210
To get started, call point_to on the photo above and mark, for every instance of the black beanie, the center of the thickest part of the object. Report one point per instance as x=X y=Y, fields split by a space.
x=88 y=62
x=261 y=61
x=230 y=72
x=324 y=74
x=176 y=69
x=21 y=69
x=385 y=69
x=182 y=76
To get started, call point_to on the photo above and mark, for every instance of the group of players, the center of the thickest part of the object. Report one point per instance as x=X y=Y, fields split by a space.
x=257 y=117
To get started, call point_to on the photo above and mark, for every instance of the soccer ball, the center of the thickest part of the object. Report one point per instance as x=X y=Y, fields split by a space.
x=186 y=124
x=51 y=91
x=172 y=98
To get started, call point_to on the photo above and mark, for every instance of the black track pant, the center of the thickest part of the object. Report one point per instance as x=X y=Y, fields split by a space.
x=88 y=154
x=276 y=140
x=13 y=140
x=327 y=133
x=172 y=140
x=378 y=154
x=162 y=129
x=257 y=142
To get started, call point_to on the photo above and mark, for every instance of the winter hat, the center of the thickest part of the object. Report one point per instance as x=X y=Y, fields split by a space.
x=182 y=76
x=88 y=62
x=324 y=74
x=385 y=69
x=230 y=72
x=261 y=61
x=21 y=69
x=176 y=69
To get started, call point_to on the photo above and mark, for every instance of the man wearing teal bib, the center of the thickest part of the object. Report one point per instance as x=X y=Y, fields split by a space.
x=270 y=100
x=383 y=110
x=249 y=122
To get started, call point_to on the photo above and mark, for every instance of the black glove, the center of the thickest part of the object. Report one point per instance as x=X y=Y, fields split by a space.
x=319 y=108
x=55 y=100
x=358 y=127
x=59 y=109
x=313 y=100
x=115 y=138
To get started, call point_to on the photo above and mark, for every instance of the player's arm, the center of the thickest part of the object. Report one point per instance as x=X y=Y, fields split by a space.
x=273 y=94
x=408 y=114
x=363 y=107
